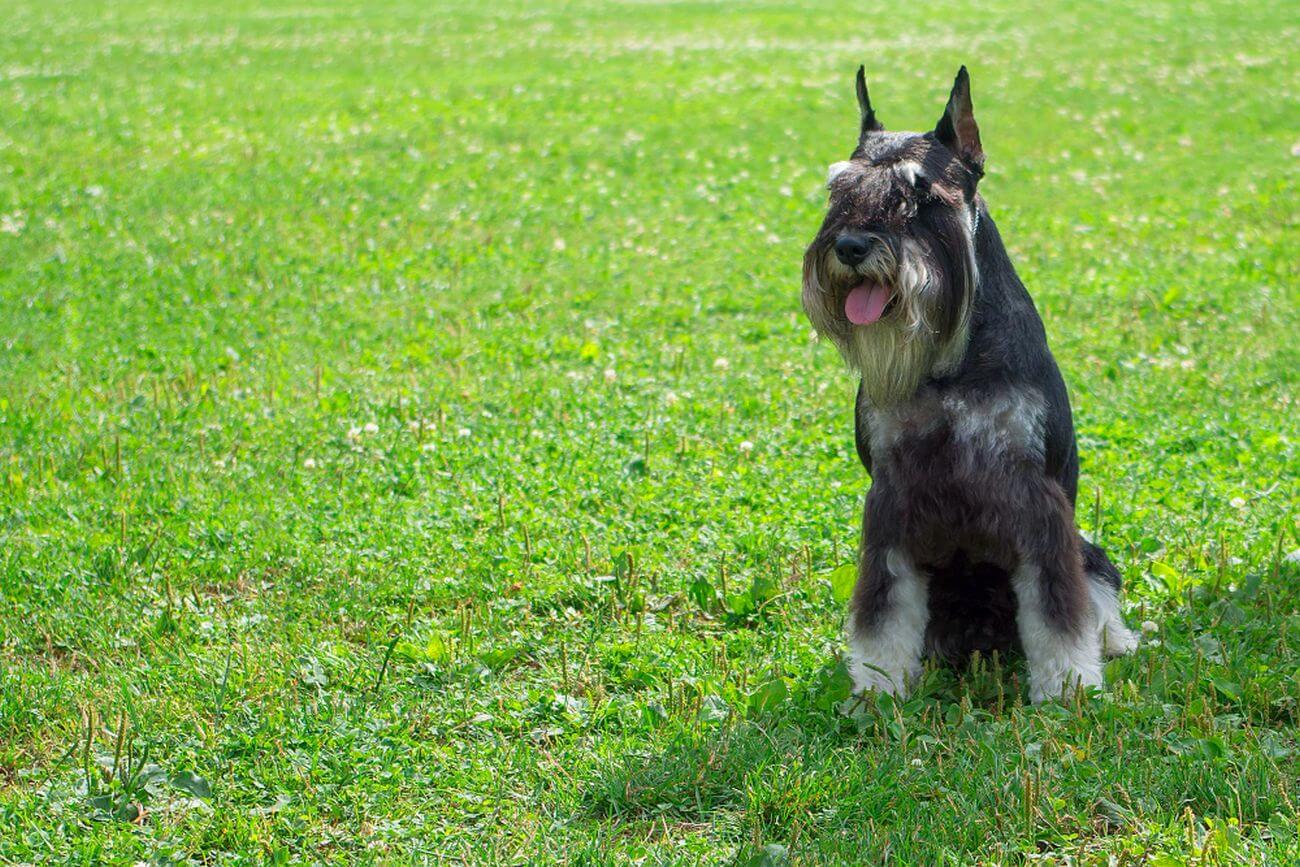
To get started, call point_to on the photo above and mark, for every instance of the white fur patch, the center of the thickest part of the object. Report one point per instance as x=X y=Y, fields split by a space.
x=889 y=425
x=1059 y=663
x=1009 y=423
x=888 y=657
x=1114 y=635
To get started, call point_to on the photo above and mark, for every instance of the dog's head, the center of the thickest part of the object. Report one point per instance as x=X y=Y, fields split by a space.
x=891 y=275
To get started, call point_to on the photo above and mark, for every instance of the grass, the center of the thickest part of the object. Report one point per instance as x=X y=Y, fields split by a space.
x=411 y=447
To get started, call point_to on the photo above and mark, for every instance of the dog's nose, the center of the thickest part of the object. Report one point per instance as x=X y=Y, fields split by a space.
x=851 y=248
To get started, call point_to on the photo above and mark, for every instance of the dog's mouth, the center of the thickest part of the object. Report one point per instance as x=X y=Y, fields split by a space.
x=868 y=302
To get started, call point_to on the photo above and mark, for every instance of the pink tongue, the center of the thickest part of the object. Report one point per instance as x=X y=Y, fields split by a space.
x=866 y=302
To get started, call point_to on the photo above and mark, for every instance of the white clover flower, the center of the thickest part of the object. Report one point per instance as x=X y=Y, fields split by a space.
x=746 y=446
x=371 y=427
x=670 y=399
x=559 y=245
x=309 y=464
x=1150 y=627
x=610 y=374
x=721 y=364
x=463 y=432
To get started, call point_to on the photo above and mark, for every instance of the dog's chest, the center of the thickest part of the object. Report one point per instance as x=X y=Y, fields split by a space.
x=953 y=433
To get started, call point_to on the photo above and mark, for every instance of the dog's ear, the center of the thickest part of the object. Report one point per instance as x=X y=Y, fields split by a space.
x=957 y=128
x=869 y=122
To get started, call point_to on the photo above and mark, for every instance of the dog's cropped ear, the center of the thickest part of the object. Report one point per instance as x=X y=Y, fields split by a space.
x=957 y=128
x=869 y=122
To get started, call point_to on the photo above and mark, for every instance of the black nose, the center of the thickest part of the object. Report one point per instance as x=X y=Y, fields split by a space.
x=851 y=248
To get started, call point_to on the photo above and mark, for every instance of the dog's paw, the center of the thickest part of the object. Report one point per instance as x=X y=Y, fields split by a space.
x=868 y=678
x=1113 y=635
x=1117 y=639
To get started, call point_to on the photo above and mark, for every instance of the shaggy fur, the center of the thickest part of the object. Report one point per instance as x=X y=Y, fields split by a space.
x=962 y=420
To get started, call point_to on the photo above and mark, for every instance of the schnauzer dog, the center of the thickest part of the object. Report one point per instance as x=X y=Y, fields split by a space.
x=962 y=420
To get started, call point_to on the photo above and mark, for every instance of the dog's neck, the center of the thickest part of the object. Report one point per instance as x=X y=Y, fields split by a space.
x=1000 y=305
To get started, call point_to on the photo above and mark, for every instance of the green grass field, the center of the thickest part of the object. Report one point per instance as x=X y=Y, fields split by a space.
x=412 y=449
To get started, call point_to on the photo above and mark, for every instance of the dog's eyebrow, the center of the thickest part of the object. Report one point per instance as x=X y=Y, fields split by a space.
x=910 y=171
x=837 y=169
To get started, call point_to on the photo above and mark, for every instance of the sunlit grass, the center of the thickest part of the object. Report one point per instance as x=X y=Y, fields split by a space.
x=411 y=446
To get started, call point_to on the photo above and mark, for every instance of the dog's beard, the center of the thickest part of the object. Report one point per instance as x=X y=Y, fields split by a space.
x=896 y=352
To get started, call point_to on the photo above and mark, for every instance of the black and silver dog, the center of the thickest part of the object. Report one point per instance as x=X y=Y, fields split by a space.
x=968 y=542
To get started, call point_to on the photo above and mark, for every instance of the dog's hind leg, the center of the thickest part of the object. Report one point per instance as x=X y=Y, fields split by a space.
x=1104 y=586
x=1054 y=606
x=886 y=627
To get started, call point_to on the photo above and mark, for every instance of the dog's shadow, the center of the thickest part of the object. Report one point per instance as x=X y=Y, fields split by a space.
x=785 y=768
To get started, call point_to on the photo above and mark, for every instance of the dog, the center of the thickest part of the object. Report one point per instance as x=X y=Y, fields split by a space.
x=961 y=419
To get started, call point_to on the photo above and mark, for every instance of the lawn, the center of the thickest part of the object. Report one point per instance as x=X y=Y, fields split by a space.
x=412 y=448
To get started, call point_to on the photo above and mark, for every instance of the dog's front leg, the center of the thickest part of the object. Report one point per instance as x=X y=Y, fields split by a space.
x=886 y=626
x=1054 y=609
